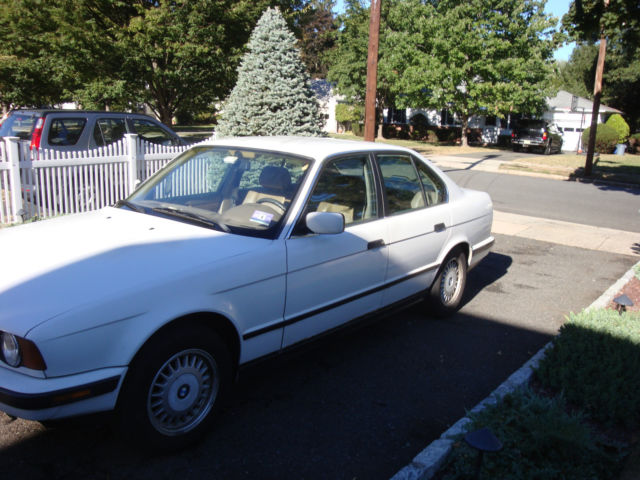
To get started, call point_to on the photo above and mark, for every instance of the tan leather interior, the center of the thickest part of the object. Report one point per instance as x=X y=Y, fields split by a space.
x=337 y=208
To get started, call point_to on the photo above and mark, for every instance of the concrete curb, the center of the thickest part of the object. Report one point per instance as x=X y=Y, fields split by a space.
x=427 y=463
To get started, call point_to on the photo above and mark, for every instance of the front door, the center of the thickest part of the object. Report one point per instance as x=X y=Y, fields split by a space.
x=332 y=279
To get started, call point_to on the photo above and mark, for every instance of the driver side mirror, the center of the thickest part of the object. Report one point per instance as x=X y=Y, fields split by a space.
x=325 y=222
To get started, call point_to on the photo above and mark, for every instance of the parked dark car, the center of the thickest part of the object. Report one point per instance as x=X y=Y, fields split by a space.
x=74 y=130
x=536 y=134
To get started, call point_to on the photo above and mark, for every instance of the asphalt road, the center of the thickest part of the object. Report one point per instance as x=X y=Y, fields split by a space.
x=361 y=403
x=585 y=203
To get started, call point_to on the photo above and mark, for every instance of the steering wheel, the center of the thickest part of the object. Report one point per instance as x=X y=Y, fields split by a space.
x=272 y=201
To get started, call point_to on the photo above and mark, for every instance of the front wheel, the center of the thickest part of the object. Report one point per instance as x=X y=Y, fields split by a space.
x=173 y=388
x=448 y=287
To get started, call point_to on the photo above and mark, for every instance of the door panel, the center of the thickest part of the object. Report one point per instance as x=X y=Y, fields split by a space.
x=333 y=279
x=415 y=244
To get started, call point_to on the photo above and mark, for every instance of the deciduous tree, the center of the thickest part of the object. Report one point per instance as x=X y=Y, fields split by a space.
x=473 y=56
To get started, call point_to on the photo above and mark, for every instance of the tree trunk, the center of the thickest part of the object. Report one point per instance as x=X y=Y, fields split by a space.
x=380 y=116
x=166 y=115
x=463 y=139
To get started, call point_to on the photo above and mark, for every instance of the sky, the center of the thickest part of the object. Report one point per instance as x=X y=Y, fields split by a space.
x=557 y=8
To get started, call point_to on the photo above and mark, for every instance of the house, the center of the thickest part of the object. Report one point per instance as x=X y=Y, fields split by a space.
x=327 y=102
x=572 y=114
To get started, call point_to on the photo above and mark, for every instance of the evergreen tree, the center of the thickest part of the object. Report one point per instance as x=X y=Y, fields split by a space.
x=273 y=94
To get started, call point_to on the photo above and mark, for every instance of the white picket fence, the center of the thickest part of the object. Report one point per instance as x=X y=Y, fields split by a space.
x=46 y=183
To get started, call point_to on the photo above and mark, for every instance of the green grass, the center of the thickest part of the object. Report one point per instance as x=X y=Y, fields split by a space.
x=579 y=417
x=541 y=440
x=424 y=148
x=621 y=168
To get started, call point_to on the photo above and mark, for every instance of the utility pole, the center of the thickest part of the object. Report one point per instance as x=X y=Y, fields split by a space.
x=372 y=72
x=597 y=94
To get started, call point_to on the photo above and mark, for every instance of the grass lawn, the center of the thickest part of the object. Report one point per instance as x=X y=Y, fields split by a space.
x=579 y=418
x=620 y=168
x=425 y=148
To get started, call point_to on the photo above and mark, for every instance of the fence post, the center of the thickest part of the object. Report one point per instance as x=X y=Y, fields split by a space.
x=132 y=153
x=15 y=185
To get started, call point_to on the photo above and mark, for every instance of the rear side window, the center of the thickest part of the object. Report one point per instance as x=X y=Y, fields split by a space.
x=108 y=131
x=18 y=125
x=434 y=189
x=66 y=131
x=401 y=183
x=152 y=132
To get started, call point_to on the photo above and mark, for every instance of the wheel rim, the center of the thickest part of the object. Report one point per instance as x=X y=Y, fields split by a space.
x=183 y=392
x=450 y=284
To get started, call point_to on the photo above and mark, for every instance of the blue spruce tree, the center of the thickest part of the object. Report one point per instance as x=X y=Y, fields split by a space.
x=273 y=94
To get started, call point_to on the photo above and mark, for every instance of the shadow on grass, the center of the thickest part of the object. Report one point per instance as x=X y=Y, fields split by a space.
x=610 y=171
x=581 y=414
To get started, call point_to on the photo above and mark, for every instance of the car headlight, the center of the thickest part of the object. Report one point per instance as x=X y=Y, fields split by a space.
x=11 y=349
x=17 y=351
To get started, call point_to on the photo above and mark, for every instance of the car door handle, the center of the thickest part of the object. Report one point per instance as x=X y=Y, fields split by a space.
x=375 y=244
x=439 y=227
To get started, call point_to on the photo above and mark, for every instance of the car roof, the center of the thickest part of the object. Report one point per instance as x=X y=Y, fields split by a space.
x=313 y=147
x=46 y=111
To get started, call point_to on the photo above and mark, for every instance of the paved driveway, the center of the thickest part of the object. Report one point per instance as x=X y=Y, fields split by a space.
x=359 y=404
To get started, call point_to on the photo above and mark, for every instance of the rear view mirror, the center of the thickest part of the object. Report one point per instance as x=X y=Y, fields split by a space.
x=325 y=222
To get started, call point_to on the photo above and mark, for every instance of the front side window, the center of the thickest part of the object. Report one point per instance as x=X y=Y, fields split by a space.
x=65 y=131
x=235 y=190
x=346 y=186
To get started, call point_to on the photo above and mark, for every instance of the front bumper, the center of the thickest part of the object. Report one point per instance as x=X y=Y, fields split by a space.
x=51 y=398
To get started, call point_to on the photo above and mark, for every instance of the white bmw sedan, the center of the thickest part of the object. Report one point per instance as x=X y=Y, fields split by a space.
x=238 y=249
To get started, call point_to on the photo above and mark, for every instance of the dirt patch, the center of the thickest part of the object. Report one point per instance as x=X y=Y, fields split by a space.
x=631 y=290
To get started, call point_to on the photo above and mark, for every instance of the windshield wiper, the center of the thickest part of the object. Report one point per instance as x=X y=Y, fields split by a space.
x=205 y=221
x=128 y=204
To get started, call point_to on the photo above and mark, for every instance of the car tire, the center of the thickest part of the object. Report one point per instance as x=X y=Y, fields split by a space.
x=447 y=290
x=547 y=148
x=173 y=388
x=516 y=148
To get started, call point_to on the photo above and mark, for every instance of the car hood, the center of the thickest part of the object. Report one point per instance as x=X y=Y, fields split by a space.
x=48 y=268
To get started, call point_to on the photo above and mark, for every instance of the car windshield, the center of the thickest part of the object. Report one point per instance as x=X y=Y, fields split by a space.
x=234 y=190
x=18 y=125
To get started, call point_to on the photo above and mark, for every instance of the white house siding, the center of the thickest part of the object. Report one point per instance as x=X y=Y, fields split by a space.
x=573 y=115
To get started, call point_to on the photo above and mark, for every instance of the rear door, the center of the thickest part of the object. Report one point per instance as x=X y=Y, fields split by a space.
x=332 y=279
x=419 y=221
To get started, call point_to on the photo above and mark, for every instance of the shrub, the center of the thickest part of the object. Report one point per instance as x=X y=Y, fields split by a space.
x=540 y=440
x=616 y=122
x=634 y=143
x=595 y=362
x=346 y=113
x=606 y=138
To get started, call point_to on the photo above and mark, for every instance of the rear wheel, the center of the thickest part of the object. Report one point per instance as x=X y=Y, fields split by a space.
x=447 y=289
x=173 y=388
x=547 y=148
